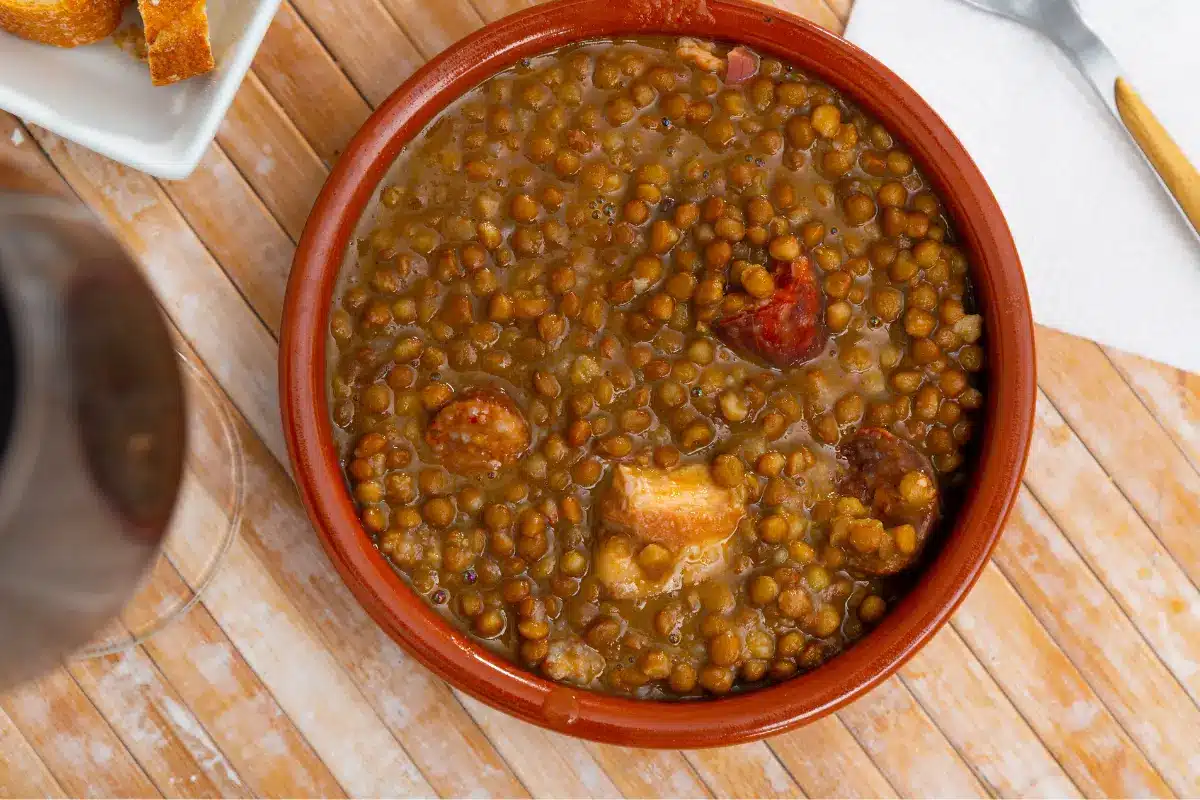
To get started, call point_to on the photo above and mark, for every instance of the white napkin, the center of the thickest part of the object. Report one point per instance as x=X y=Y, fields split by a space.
x=1106 y=254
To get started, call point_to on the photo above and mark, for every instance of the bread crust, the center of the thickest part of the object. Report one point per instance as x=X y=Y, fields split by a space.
x=177 y=44
x=64 y=23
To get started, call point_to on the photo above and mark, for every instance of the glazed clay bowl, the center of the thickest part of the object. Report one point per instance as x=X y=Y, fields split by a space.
x=1003 y=437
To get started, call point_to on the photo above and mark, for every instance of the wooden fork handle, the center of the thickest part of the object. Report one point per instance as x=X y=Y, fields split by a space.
x=1180 y=177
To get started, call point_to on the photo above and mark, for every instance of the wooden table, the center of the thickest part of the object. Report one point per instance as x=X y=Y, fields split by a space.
x=1072 y=668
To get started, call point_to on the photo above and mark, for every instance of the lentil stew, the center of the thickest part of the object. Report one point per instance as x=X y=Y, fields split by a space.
x=657 y=369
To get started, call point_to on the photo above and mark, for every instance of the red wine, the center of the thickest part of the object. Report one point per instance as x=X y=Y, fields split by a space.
x=92 y=408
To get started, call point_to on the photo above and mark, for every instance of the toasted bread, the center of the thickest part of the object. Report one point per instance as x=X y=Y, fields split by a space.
x=63 y=23
x=177 y=45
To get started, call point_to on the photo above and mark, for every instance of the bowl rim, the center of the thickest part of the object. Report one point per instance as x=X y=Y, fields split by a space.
x=1006 y=430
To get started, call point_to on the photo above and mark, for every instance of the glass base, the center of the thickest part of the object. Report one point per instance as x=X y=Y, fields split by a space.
x=207 y=516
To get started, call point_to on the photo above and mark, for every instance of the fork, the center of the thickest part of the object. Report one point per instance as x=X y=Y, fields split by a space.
x=1060 y=22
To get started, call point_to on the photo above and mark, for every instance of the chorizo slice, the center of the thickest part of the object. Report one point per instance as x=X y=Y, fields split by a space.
x=785 y=329
x=897 y=485
x=480 y=431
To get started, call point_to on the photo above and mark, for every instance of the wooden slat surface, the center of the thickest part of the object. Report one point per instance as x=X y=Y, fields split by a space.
x=1073 y=668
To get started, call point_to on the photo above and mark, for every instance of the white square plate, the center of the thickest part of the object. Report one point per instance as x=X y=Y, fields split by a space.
x=101 y=96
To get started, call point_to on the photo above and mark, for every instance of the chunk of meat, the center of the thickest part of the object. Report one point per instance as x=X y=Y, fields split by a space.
x=673 y=508
x=785 y=329
x=897 y=485
x=741 y=66
x=480 y=431
x=629 y=570
x=573 y=661
x=664 y=529
x=697 y=53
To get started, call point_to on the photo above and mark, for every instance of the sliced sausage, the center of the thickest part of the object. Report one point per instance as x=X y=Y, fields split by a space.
x=480 y=431
x=785 y=329
x=898 y=486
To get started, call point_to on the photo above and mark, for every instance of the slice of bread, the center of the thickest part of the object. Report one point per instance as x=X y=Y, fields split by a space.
x=177 y=44
x=64 y=23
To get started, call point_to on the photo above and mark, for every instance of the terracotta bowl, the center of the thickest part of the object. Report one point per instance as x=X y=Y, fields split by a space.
x=1004 y=434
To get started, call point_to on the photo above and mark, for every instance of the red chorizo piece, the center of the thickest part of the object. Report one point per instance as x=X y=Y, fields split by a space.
x=785 y=329
x=480 y=431
x=897 y=485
